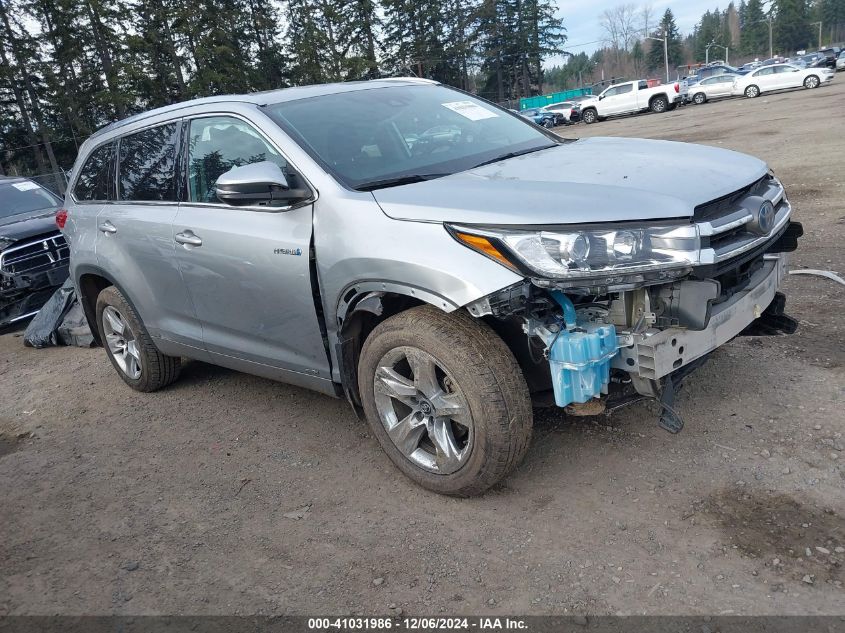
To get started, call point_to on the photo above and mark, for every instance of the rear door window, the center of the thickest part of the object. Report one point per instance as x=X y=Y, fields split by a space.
x=147 y=165
x=96 y=176
x=216 y=145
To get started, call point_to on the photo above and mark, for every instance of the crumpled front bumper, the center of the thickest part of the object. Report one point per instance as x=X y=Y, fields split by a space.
x=653 y=354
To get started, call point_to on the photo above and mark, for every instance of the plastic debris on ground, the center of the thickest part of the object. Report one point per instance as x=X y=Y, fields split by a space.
x=60 y=321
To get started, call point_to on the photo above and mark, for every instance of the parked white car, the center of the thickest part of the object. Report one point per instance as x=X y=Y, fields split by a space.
x=631 y=97
x=780 y=77
x=566 y=108
x=840 y=61
x=712 y=88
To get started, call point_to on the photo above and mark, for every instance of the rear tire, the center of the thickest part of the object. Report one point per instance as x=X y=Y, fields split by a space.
x=659 y=104
x=752 y=92
x=699 y=98
x=811 y=82
x=589 y=116
x=423 y=368
x=129 y=347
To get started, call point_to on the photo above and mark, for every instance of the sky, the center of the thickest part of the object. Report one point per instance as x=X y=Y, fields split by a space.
x=581 y=18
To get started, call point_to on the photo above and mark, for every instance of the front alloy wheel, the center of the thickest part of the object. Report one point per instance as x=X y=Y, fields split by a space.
x=811 y=82
x=699 y=98
x=422 y=410
x=752 y=91
x=446 y=399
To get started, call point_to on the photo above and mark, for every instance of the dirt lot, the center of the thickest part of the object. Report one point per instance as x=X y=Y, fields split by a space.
x=232 y=494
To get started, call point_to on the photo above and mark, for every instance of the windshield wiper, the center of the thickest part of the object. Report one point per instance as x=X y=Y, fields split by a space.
x=397 y=181
x=511 y=155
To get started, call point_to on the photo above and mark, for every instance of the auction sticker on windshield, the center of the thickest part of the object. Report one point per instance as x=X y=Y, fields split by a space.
x=25 y=186
x=470 y=110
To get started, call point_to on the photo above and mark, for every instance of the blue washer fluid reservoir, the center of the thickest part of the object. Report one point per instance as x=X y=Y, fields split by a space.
x=579 y=357
x=580 y=363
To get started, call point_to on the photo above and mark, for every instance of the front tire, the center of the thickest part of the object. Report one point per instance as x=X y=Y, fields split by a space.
x=812 y=82
x=589 y=116
x=445 y=399
x=699 y=98
x=659 y=104
x=752 y=92
x=129 y=347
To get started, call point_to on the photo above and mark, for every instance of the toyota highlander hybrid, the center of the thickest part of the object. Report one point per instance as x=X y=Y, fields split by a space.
x=440 y=262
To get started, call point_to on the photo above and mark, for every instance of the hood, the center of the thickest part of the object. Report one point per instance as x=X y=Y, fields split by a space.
x=23 y=225
x=590 y=180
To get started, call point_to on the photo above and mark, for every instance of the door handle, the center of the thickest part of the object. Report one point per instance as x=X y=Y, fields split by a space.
x=107 y=227
x=188 y=238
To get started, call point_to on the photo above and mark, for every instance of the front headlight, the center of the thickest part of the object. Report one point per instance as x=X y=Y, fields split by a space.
x=602 y=256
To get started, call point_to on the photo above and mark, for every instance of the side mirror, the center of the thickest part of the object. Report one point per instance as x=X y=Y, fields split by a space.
x=257 y=184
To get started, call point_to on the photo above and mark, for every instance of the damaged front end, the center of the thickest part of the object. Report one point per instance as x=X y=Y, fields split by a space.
x=30 y=271
x=617 y=314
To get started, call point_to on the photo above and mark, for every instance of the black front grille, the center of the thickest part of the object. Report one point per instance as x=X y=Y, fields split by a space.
x=724 y=205
x=35 y=256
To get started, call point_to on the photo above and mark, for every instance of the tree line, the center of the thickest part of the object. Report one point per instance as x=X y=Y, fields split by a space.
x=67 y=67
x=740 y=32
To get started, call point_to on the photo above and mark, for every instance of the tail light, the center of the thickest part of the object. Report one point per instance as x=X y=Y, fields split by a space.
x=677 y=88
x=61 y=218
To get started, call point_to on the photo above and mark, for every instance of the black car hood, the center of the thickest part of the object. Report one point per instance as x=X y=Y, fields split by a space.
x=23 y=225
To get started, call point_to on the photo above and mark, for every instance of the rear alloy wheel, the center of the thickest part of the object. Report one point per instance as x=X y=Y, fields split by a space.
x=129 y=347
x=811 y=82
x=752 y=91
x=659 y=104
x=589 y=116
x=446 y=400
x=699 y=98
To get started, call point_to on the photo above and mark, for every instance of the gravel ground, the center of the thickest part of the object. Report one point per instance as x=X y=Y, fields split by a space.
x=229 y=494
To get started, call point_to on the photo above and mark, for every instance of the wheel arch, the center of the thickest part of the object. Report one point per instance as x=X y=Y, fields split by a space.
x=659 y=96
x=361 y=308
x=90 y=281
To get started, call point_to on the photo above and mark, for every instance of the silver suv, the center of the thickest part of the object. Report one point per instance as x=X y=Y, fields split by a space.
x=440 y=262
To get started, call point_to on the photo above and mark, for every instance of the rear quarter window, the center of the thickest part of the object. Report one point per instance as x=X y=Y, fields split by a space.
x=95 y=177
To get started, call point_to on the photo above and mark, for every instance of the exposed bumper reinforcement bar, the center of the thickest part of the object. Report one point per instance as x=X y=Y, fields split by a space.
x=654 y=354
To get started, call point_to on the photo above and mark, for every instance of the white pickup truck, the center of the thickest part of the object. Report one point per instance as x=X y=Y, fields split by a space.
x=629 y=98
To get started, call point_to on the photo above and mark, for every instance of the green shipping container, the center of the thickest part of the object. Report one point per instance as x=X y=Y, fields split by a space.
x=555 y=97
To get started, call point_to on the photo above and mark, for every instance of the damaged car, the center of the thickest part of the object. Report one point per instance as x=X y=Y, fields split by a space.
x=33 y=253
x=444 y=289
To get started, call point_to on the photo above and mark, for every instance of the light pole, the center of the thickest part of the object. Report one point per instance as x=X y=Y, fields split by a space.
x=768 y=20
x=771 y=47
x=665 y=40
x=820 y=32
x=707 y=52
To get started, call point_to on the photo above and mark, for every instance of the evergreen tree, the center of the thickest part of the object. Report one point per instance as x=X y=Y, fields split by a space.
x=791 y=25
x=755 y=30
x=669 y=29
x=638 y=57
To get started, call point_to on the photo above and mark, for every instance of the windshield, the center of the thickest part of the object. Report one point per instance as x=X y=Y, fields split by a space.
x=25 y=197
x=369 y=137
